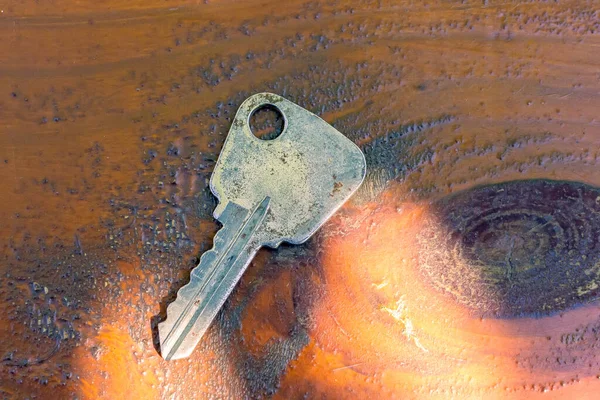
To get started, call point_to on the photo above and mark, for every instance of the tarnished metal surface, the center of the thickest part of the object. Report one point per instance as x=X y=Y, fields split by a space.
x=308 y=171
x=269 y=191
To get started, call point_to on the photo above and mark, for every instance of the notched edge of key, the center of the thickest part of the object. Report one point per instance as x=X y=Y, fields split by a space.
x=182 y=319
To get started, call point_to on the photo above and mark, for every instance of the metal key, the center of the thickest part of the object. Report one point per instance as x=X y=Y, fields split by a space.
x=269 y=191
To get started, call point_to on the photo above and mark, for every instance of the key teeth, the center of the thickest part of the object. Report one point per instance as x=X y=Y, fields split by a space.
x=180 y=297
x=181 y=312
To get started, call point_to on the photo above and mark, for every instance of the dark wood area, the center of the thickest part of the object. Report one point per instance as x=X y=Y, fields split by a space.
x=467 y=266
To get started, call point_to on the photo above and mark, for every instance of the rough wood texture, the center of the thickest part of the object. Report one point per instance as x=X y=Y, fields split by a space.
x=424 y=286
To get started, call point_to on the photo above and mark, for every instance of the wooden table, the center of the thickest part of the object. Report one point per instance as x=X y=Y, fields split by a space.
x=426 y=285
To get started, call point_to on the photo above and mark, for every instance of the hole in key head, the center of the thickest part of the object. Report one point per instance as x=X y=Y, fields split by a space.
x=267 y=122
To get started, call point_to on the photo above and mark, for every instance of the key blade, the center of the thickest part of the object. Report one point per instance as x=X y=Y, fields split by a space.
x=211 y=282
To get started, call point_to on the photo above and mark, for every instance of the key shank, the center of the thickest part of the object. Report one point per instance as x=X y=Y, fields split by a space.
x=211 y=282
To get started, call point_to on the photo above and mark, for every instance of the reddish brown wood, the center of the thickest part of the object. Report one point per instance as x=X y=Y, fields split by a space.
x=113 y=114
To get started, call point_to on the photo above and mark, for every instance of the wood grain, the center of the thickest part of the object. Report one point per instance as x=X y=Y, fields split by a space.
x=113 y=114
